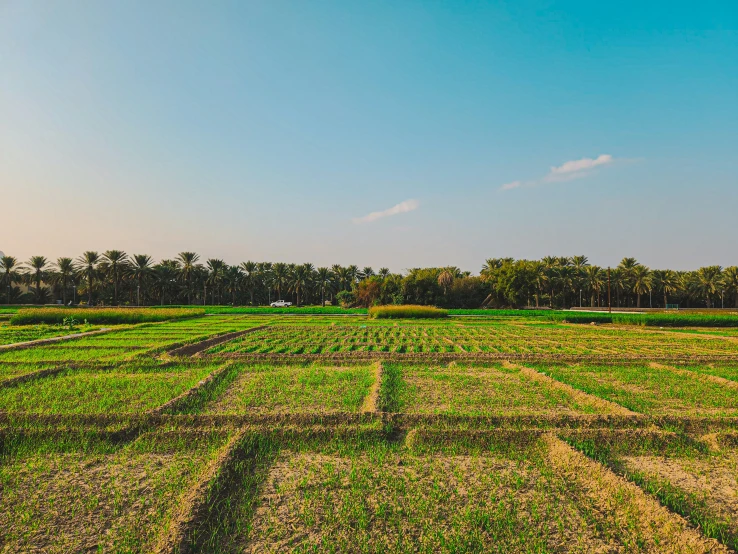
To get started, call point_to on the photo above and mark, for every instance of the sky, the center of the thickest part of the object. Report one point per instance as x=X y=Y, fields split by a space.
x=383 y=133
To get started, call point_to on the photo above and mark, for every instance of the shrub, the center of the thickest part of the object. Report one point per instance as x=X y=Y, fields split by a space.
x=33 y=316
x=407 y=311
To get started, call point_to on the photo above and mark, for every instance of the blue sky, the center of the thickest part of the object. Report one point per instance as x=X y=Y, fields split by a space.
x=272 y=130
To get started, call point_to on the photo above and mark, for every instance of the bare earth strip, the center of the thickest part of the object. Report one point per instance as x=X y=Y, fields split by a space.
x=39 y=342
x=199 y=347
x=600 y=403
x=193 y=505
x=630 y=507
x=371 y=402
x=698 y=376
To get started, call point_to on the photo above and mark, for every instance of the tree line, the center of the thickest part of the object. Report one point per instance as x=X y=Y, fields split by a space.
x=116 y=278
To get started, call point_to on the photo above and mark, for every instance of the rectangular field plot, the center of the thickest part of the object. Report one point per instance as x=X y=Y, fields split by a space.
x=469 y=390
x=86 y=391
x=388 y=499
x=548 y=340
x=11 y=334
x=646 y=389
x=10 y=371
x=122 y=501
x=266 y=389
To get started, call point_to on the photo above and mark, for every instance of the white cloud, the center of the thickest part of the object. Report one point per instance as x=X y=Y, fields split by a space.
x=402 y=207
x=568 y=171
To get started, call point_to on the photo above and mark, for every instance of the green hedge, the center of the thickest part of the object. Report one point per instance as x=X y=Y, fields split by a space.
x=648 y=320
x=31 y=316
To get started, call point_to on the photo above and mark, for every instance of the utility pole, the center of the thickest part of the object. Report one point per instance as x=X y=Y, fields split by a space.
x=609 y=301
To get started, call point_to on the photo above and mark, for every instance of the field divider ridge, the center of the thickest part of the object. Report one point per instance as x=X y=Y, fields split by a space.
x=371 y=402
x=464 y=357
x=626 y=502
x=51 y=340
x=177 y=402
x=585 y=397
x=197 y=348
x=32 y=376
x=704 y=377
x=194 y=502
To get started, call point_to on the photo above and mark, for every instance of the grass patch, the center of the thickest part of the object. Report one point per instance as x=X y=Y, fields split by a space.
x=266 y=389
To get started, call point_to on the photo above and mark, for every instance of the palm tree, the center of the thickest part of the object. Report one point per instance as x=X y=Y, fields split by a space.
x=641 y=276
x=9 y=274
x=64 y=272
x=666 y=280
x=579 y=263
x=366 y=273
x=140 y=269
x=187 y=262
x=87 y=264
x=549 y=270
x=232 y=277
x=342 y=277
x=708 y=282
x=445 y=279
x=216 y=268
x=383 y=272
x=538 y=272
x=323 y=280
x=730 y=282
x=249 y=277
x=565 y=275
x=353 y=273
x=593 y=281
x=113 y=263
x=165 y=276
x=280 y=274
x=37 y=266
x=302 y=276
x=626 y=268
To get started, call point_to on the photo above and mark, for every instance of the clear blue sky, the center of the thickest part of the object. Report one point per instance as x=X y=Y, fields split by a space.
x=270 y=130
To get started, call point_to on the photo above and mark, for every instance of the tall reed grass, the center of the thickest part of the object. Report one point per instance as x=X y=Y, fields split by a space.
x=407 y=311
x=31 y=316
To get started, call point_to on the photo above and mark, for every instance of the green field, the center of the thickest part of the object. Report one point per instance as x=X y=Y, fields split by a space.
x=239 y=432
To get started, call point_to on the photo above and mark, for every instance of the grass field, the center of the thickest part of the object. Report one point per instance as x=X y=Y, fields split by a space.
x=240 y=432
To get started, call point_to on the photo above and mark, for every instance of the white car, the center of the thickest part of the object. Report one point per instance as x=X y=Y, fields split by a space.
x=280 y=304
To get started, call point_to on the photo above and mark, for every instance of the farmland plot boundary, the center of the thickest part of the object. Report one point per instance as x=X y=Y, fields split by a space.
x=195 y=349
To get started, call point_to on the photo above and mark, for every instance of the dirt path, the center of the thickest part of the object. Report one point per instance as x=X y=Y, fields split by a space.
x=371 y=402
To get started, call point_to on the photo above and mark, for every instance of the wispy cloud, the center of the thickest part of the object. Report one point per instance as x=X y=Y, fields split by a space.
x=402 y=207
x=568 y=171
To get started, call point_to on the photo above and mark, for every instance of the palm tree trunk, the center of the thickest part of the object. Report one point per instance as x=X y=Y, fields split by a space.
x=639 y=300
x=89 y=288
x=593 y=299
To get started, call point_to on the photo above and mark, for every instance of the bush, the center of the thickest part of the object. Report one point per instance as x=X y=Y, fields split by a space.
x=33 y=316
x=407 y=311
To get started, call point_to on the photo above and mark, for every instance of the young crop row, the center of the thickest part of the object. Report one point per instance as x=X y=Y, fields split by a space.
x=545 y=340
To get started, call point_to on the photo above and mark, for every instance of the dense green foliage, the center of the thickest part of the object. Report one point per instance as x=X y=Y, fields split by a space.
x=115 y=278
x=649 y=319
x=31 y=316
